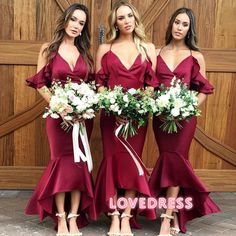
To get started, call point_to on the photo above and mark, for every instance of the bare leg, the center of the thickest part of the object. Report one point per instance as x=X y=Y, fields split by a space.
x=172 y=192
x=115 y=221
x=62 y=225
x=125 y=217
x=75 y=201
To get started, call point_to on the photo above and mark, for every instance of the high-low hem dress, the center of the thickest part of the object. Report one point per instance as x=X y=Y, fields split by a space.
x=173 y=167
x=62 y=174
x=118 y=171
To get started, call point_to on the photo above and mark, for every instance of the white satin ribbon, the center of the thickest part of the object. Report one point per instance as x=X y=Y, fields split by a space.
x=79 y=131
x=131 y=152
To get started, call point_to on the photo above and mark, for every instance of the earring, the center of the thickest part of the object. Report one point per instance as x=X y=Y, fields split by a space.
x=80 y=33
x=116 y=28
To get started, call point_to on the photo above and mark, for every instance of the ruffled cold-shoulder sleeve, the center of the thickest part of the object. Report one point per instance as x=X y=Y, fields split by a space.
x=198 y=82
x=102 y=75
x=150 y=78
x=42 y=78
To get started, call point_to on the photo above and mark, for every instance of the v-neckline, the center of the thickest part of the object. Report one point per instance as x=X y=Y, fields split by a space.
x=128 y=69
x=71 y=69
x=177 y=66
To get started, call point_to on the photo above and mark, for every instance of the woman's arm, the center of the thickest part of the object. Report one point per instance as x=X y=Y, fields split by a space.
x=103 y=48
x=42 y=61
x=151 y=53
x=201 y=62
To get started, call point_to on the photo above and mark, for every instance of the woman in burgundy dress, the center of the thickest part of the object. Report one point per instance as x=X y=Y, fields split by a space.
x=65 y=186
x=125 y=61
x=173 y=175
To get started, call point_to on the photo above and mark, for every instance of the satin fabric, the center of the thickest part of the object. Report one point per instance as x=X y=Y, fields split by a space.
x=62 y=174
x=173 y=167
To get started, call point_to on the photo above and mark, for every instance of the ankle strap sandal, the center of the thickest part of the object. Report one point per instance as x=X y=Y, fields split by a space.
x=72 y=215
x=60 y=216
x=114 y=213
x=175 y=230
x=126 y=215
x=168 y=217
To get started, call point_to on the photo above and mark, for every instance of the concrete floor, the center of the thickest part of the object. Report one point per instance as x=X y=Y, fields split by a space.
x=13 y=222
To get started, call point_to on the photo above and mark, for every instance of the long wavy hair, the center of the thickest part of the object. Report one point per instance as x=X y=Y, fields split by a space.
x=82 y=42
x=139 y=35
x=191 y=37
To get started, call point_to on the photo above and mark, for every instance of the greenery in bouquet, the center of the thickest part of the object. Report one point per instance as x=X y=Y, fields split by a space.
x=175 y=103
x=127 y=103
x=73 y=99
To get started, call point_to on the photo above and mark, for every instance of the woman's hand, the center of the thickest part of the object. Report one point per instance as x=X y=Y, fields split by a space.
x=66 y=124
x=121 y=120
x=78 y=119
x=162 y=118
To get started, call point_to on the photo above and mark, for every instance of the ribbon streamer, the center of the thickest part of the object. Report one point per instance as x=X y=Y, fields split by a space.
x=137 y=160
x=79 y=131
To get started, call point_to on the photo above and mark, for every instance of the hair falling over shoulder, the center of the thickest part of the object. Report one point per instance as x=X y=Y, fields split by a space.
x=82 y=42
x=139 y=32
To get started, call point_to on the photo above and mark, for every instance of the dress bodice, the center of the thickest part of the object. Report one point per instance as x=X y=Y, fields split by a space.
x=58 y=69
x=113 y=72
x=188 y=70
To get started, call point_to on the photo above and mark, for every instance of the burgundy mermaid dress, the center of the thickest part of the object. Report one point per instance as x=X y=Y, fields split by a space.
x=62 y=173
x=118 y=171
x=173 y=167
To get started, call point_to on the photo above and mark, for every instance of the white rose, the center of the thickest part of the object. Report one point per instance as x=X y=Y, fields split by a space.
x=74 y=86
x=75 y=101
x=126 y=98
x=54 y=116
x=114 y=107
x=175 y=112
x=163 y=101
x=178 y=103
x=112 y=100
x=132 y=91
x=45 y=115
x=190 y=108
x=83 y=89
x=186 y=114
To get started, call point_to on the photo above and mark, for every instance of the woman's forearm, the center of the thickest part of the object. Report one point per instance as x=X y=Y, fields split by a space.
x=45 y=93
x=201 y=98
x=101 y=89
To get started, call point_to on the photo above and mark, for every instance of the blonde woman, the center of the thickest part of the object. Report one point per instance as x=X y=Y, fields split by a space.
x=65 y=191
x=126 y=60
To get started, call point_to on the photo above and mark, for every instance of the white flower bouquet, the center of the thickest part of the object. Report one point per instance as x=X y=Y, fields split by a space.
x=175 y=103
x=72 y=99
x=127 y=103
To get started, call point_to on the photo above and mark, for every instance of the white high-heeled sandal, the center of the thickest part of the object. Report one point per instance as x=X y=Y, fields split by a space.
x=60 y=215
x=114 y=213
x=72 y=215
x=174 y=230
x=168 y=217
x=123 y=216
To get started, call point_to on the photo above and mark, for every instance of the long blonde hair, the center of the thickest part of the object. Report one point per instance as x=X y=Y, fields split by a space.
x=139 y=35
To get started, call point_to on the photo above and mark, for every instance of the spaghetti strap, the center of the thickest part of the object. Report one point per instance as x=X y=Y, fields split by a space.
x=160 y=50
x=110 y=46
